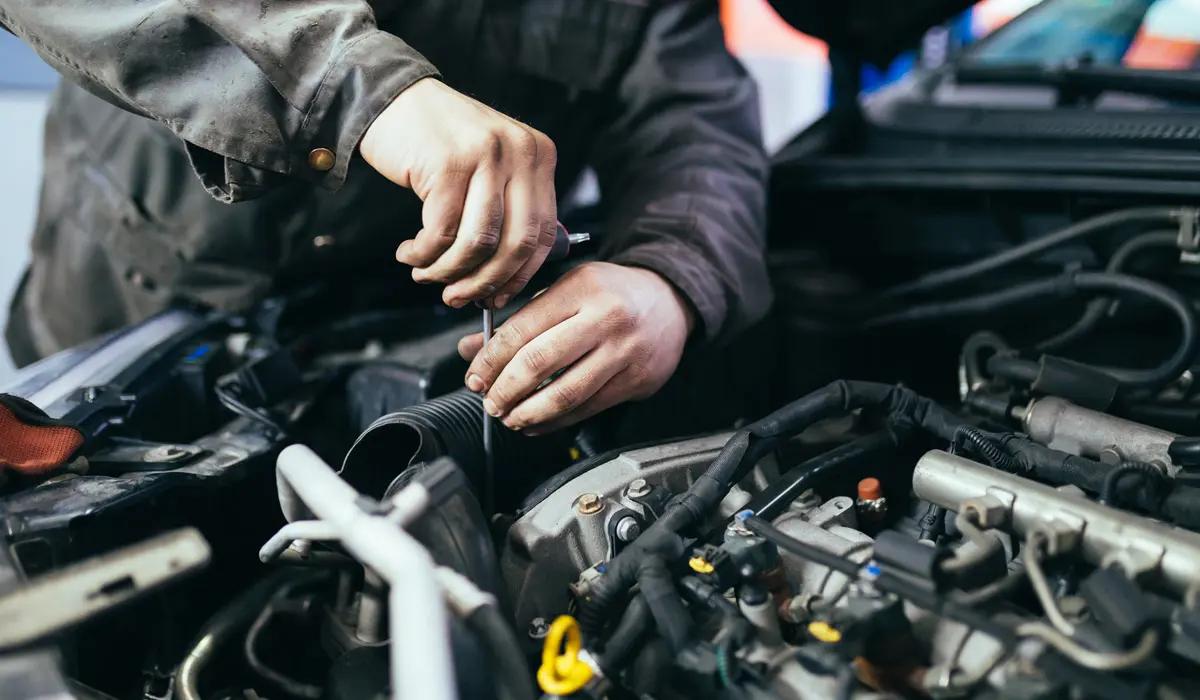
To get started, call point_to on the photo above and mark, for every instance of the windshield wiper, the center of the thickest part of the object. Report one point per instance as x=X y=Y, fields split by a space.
x=1082 y=80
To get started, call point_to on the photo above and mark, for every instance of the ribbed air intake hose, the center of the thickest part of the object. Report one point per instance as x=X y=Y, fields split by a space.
x=447 y=426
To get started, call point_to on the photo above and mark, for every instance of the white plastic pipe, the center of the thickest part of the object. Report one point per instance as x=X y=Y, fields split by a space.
x=422 y=665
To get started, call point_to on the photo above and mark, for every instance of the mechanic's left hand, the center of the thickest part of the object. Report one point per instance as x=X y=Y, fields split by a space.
x=619 y=332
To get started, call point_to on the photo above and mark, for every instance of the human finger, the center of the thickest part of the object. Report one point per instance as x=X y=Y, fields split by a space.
x=535 y=318
x=571 y=390
x=441 y=215
x=547 y=219
x=613 y=393
x=478 y=232
x=520 y=239
x=537 y=361
x=469 y=346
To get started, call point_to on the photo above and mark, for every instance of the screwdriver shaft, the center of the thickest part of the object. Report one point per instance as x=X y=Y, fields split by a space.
x=489 y=426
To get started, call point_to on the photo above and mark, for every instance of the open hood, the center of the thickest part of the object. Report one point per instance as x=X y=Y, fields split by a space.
x=875 y=31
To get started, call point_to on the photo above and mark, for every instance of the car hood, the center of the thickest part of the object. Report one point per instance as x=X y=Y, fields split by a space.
x=875 y=31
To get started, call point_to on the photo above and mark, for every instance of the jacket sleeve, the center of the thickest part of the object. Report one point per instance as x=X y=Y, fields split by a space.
x=684 y=170
x=252 y=88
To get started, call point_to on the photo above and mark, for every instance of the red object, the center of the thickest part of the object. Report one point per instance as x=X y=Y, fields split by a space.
x=870 y=490
x=32 y=443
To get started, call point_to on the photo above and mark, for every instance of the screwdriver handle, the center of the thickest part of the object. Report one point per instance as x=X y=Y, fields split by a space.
x=563 y=242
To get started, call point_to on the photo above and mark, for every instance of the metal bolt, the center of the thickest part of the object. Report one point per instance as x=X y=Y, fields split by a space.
x=638 y=488
x=165 y=453
x=1110 y=455
x=590 y=504
x=805 y=501
x=628 y=529
x=90 y=394
x=538 y=628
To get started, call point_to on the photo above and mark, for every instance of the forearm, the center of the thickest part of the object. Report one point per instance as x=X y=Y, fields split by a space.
x=685 y=172
x=252 y=88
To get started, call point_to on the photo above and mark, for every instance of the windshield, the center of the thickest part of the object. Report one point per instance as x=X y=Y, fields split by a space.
x=1142 y=34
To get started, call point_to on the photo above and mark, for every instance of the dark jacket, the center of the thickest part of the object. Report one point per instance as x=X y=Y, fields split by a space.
x=240 y=93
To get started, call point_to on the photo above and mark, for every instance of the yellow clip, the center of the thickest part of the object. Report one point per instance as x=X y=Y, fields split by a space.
x=574 y=453
x=823 y=632
x=562 y=672
x=700 y=566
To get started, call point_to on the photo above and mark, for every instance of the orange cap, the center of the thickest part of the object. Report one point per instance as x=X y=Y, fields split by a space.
x=869 y=489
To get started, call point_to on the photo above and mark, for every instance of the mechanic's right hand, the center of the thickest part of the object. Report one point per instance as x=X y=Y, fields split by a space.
x=487 y=183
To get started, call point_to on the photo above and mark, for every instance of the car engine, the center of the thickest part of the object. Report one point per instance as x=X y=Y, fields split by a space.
x=1031 y=535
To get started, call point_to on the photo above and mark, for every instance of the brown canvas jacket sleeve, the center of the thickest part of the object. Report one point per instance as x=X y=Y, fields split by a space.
x=684 y=166
x=251 y=87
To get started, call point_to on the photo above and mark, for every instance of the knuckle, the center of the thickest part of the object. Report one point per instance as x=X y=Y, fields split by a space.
x=490 y=148
x=547 y=151
x=525 y=145
x=619 y=318
x=536 y=360
x=564 y=397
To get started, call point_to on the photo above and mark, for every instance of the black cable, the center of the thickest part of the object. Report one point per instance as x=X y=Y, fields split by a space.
x=989 y=450
x=1104 y=222
x=807 y=551
x=979 y=304
x=1098 y=309
x=1148 y=473
x=1131 y=380
x=658 y=588
x=227 y=396
x=932 y=524
x=627 y=638
x=513 y=679
x=776 y=498
x=291 y=686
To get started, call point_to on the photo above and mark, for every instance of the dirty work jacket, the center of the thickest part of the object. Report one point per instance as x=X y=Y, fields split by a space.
x=173 y=110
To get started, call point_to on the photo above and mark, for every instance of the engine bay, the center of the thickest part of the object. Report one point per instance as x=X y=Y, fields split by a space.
x=286 y=506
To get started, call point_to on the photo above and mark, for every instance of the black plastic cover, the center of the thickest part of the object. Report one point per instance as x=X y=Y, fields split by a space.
x=1121 y=608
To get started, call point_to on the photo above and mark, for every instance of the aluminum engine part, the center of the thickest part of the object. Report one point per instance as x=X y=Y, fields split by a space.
x=1105 y=535
x=580 y=524
x=1061 y=425
x=829 y=526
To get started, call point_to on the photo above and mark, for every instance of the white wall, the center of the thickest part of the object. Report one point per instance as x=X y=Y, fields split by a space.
x=21 y=114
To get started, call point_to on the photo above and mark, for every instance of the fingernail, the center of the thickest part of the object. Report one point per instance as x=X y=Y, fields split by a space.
x=491 y=408
x=501 y=300
x=456 y=303
x=533 y=432
x=475 y=384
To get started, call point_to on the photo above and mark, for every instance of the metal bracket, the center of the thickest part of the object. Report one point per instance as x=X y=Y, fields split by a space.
x=69 y=596
x=1189 y=235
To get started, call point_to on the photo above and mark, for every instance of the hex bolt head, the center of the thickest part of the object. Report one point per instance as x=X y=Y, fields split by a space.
x=638 y=488
x=538 y=628
x=628 y=529
x=589 y=504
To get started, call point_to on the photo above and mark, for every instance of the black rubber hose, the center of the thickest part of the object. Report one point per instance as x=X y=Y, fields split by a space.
x=513 y=678
x=1131 y=380
x=978 y=305
x=221 y=627
x=772 y=501
x=666 y=607
x=1185 y=451
x=447 y=426
x=1148 y=474
x=1097 y=224
x=627 y=638
x=1098 y=309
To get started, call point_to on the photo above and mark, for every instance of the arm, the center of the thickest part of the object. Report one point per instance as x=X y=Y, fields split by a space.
x=253 y=88
x=260 y=91
x=684 y=166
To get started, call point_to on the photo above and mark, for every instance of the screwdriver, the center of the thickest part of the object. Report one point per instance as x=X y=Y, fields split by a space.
x=562 y=246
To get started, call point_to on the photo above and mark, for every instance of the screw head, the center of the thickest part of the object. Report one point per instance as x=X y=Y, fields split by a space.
x=589 y=504
x=638 y=488
x=538 y=628
x=628 y=529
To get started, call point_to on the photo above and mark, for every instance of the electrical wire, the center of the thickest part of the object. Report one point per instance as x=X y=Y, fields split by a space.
x=287 y=684
x=991 y=263
x=1041 y=586
x=227 y=395
x=1095 y=660
x=1098 y=309
x=1148 y=474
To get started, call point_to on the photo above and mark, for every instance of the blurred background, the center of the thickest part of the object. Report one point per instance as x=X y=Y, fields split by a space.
x=791 y=68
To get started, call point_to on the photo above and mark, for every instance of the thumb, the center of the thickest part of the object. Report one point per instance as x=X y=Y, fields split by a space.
x=470 y=346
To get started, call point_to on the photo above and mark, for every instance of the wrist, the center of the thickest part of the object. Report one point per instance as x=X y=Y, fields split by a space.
x=687 y=313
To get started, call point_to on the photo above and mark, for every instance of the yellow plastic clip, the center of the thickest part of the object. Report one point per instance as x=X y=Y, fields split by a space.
x=562 y=671
x=824 y=632
x=700 y=565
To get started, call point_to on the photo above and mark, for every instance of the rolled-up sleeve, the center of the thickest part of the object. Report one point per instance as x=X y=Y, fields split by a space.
x=684 y=171
x=259 y=91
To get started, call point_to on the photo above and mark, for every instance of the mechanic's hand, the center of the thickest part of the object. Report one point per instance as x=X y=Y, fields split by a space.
x=487 y=183
x=618 y=331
